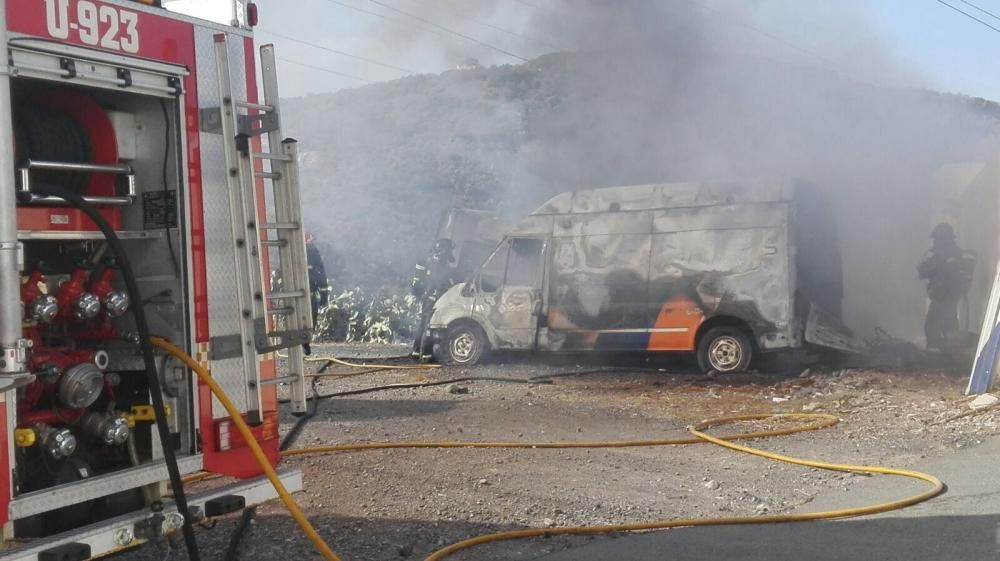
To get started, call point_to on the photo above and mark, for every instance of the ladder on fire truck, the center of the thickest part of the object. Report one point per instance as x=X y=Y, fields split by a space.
x=272 y=239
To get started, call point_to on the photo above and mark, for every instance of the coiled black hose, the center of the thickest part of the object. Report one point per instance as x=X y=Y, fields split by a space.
x=53 y=135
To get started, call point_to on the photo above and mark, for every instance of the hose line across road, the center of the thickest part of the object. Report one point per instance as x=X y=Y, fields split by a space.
x=699 y=435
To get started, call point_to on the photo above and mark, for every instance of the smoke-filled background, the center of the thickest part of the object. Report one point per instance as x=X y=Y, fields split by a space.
x=614 y=92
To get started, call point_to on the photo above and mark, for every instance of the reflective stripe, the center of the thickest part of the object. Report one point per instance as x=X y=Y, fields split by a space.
x=654 y=330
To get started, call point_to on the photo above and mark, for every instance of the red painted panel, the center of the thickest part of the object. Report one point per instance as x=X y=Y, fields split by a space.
x=62 y=219
x=96 y=24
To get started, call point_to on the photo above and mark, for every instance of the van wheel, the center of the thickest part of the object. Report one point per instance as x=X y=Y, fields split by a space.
x=725 y=350
x=465 y=345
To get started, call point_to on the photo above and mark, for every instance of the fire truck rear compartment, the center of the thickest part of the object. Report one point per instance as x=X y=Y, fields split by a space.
x=87 y=416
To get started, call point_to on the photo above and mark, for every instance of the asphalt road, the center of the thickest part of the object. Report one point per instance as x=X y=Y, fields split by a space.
x=962 y=524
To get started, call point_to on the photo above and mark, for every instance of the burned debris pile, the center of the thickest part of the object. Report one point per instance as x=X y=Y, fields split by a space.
x=354 y=315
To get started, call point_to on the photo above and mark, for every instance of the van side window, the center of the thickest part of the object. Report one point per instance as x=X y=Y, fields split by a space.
x=491 y=275
x=525 y=262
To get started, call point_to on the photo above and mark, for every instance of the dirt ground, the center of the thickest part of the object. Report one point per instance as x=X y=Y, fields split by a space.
x=403 y=504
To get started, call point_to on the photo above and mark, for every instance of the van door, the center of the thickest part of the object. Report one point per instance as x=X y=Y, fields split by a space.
x=512 y=302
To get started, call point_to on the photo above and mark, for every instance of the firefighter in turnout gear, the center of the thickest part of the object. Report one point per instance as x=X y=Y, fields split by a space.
x=947 y=272
x=430 y=280
x=319 y=287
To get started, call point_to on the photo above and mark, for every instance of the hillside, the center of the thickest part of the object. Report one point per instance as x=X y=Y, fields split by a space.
x=381 y=162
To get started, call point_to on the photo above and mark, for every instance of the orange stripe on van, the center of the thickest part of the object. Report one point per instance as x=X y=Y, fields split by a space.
x=682 y=317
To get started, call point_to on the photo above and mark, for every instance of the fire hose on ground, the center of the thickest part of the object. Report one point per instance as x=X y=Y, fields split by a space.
x=814 y=421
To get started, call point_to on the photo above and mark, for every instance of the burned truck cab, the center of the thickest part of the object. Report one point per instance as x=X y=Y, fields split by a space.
x=710 y=268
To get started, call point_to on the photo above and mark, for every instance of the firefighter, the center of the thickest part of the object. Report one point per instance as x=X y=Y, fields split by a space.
x=947 y=273
x=430 y=280
x=319 y=287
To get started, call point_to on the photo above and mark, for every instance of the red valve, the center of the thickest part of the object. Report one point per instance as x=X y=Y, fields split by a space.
x=31 y=289
x=75 y=303
x=100 y=284
x=114 y=302
x=38 y=307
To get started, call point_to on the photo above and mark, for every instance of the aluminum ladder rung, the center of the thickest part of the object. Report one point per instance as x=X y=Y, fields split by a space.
x=287 y=310
x=287 y=379
x=254 y=106
x=268 y=174
x=274 y=243
x=280 y=226
x=272 y=156
x=287 y=294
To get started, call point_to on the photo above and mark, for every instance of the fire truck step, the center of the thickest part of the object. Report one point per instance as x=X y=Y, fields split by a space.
x=66 y=552
x=224 y=505
x=113 y=535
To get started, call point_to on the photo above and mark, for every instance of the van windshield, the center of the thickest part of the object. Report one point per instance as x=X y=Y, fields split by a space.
x=492 y=273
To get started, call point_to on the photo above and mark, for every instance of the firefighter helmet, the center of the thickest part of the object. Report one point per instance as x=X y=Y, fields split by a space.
x=943 y=231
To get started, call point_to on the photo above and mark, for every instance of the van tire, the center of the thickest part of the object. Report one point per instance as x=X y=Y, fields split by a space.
x=464 y=345
x=725 y=350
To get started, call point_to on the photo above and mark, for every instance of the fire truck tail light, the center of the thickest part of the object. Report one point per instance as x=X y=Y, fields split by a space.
x=252 y=16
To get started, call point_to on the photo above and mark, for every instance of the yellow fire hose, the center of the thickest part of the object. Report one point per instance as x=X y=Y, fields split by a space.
x=342 y=362
x=255 y=449
x=815 y=421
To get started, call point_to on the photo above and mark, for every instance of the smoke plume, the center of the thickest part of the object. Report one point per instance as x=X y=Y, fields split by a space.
x=651 y=92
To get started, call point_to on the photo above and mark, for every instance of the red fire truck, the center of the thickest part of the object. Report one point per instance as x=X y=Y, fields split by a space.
x=151 y=119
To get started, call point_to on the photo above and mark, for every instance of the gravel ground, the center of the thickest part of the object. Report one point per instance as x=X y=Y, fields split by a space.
x=403 y=504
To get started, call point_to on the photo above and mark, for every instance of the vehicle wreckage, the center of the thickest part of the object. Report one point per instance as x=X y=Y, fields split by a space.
x=725 y=270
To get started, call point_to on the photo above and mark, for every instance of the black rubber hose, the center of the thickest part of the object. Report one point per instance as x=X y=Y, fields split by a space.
x=387 y=387
x=233 y=549
x=155 y=392
x=166 y=192
x=52 y=134
x=289 y=440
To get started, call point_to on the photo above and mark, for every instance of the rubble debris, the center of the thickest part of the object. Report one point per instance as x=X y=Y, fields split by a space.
x=812 y=406
x=457 y=389
x=354 y=316
x=982 y=402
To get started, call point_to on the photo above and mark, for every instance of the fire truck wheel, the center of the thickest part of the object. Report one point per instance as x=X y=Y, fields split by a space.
x=725 y=349
x=465 y=345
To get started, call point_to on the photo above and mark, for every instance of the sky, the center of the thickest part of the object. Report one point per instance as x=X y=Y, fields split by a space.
x=919 y=43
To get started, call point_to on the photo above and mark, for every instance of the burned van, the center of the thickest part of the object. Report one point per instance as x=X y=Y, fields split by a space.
x=725 y=270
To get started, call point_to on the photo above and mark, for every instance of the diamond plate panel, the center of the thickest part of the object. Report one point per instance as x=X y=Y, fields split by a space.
x=220 y=248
